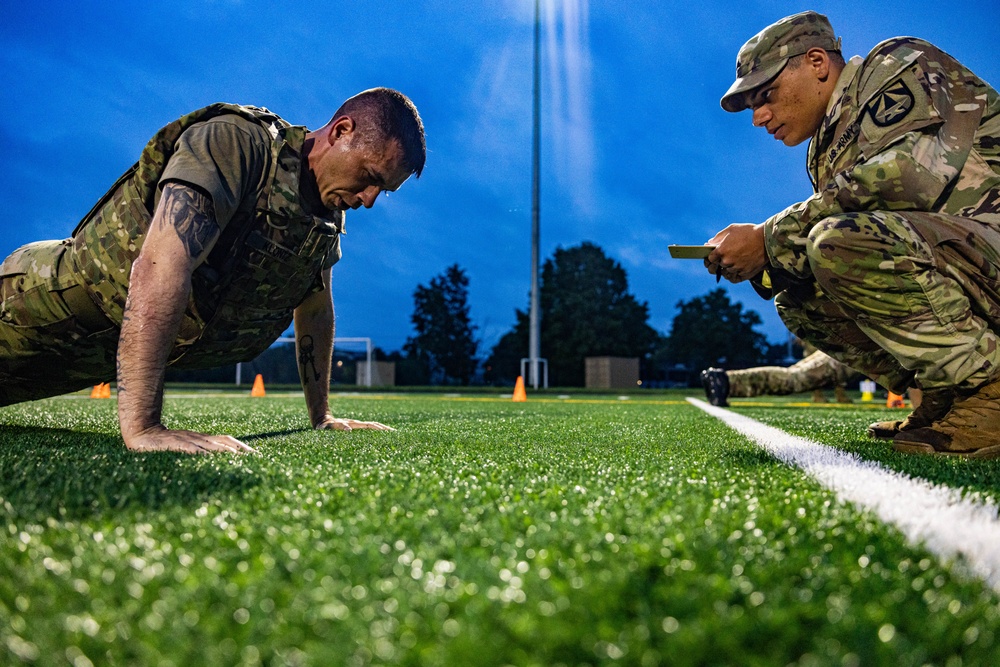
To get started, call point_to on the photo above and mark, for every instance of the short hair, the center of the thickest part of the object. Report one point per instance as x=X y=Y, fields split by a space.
x=835 y=57
x=384 y=114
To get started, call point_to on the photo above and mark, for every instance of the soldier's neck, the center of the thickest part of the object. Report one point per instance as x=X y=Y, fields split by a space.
x=308 y=190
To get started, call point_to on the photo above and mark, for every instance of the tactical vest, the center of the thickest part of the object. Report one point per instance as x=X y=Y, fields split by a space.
x=259 y=270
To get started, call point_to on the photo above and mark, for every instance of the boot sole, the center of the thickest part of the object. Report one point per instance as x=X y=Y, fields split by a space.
x=991 y=452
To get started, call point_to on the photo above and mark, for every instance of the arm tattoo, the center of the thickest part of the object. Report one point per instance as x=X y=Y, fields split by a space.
x=192 y=216
x=307 y=357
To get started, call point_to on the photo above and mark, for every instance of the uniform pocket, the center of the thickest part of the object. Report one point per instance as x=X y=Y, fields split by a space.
x=34 y=307
x=29 y=286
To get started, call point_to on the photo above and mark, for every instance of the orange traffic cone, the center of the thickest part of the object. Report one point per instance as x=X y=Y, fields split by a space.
x=102 y=390
x=894 y=401
x=520 y=395
x=258 y=386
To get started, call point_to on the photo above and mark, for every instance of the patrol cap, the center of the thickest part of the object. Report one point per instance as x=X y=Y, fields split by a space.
x=764 y=56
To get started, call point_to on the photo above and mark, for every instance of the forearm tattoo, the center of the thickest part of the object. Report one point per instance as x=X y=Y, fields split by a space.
x=192 y=215
x=307 y=357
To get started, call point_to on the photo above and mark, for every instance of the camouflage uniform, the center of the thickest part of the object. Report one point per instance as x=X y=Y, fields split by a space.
x=62 y=301
x=893 y=265
x=815 y=371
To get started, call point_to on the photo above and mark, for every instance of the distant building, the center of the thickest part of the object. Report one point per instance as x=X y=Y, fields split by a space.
x=611 y=372
x=383 y=373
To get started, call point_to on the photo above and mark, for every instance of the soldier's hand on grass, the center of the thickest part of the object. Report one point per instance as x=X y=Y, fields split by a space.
x=739 y=252
x=333 y=423
x=161 y=439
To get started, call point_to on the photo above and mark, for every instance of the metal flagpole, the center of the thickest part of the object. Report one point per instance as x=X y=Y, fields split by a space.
x=534 y=342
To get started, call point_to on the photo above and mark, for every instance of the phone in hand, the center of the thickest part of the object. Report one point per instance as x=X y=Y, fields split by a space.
x=690 y=251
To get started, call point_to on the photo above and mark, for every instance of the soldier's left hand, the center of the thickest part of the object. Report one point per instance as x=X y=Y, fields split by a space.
x=739 y=252
x=333 y=423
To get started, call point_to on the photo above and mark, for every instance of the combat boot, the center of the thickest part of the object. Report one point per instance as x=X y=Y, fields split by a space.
x=971 y=428
x=934 y=406
x=716 y=384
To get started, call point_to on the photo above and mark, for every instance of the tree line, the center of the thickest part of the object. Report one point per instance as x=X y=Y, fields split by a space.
x=586 y=310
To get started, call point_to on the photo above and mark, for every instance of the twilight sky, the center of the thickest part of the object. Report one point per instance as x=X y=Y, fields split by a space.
x=636 y=151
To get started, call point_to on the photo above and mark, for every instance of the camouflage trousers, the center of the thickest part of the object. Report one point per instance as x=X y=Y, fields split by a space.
x=816 y=371
x=53 y=338
x=907 y=298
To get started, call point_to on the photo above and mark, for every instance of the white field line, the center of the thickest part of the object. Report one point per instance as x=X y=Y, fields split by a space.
x=931 y=515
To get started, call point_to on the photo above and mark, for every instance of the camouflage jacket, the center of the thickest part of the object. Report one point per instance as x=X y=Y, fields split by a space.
x=260 y=269
x=908 y=128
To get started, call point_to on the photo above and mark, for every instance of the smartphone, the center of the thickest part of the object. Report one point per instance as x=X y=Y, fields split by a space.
x=690 y=251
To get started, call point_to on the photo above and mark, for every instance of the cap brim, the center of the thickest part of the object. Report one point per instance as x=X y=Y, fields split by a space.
x=735 y=98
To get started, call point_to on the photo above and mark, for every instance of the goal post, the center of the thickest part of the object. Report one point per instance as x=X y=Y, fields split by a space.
x=290 y=339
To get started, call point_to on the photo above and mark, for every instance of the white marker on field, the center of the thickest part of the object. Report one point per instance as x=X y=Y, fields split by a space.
x=933 y=515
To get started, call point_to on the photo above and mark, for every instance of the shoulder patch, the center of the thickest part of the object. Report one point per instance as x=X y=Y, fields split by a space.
x=891 y=105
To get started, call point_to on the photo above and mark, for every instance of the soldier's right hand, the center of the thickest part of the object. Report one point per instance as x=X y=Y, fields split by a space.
x=162 y=439
x=739 y=252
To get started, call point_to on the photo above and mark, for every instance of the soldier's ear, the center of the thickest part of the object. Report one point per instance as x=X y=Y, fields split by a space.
x=819 y=61
x=340 y=127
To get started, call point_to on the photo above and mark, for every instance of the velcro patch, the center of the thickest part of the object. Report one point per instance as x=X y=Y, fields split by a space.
x=900 y=107
x=891 y=105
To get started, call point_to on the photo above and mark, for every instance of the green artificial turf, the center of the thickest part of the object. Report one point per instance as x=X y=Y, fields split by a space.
x=844 y=427
x=482 y=532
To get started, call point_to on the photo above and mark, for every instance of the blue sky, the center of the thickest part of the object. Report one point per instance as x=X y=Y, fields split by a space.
x=636 y=152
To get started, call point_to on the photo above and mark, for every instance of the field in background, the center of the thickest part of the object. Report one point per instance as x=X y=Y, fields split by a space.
x=588 y=530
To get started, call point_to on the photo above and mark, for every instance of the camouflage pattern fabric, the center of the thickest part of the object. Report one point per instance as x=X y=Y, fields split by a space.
x=242 y=298
x=903 y=296
x=815 y=371
x=255 y=276
x=897 y=245
x=46 y=348
x=765 y=54
x=244 y=293
x=108 y=239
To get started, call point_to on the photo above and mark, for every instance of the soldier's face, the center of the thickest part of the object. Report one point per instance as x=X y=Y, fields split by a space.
x=351 y=173
x=792 y=106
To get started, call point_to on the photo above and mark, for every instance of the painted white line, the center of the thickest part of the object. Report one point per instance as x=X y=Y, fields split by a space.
x=932 y=515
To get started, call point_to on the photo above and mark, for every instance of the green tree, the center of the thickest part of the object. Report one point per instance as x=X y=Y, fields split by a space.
x=586 y=311
x=444 y=345
x=504 y=363
x=712 y=331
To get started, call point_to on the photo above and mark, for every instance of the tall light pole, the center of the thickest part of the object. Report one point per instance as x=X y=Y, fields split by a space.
x=534 y=337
